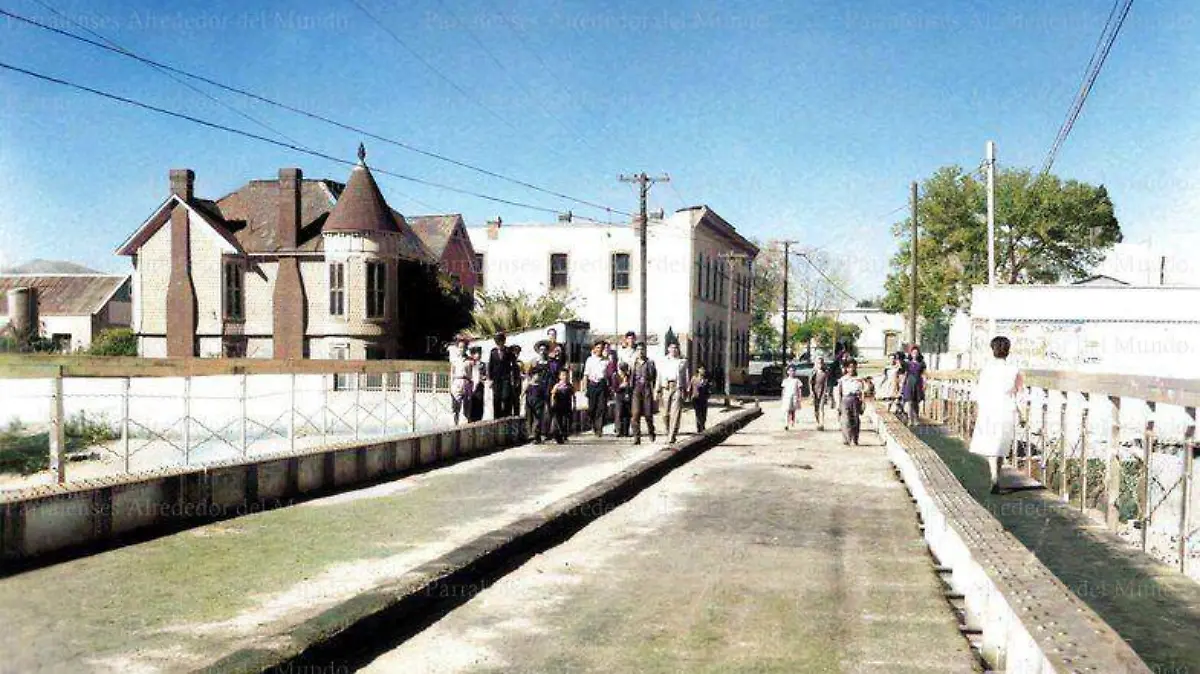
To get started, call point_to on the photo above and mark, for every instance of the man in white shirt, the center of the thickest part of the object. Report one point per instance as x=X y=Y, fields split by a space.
x=595 y=374
x=461 y=385
x=673 y=382
x=627 y=352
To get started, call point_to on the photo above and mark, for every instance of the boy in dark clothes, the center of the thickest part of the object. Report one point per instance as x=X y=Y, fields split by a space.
x=562 y=404
x=700 y=389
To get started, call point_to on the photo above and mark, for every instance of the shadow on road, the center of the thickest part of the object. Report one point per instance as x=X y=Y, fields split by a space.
x=1152 y=606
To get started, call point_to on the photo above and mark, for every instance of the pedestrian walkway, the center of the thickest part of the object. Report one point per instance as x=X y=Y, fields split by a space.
x=772 y=552
x=184 y=601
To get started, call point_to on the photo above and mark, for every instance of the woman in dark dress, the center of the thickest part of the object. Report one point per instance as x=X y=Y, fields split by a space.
x=913 y=391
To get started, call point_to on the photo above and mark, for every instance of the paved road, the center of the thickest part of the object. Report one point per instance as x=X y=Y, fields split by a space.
x=772 y=552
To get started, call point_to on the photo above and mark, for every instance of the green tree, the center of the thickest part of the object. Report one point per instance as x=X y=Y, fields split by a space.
x=821 y=331
x=114 y=342
x=1047 y=230
x=434 y=308
x=514 y=312
x=766 y=293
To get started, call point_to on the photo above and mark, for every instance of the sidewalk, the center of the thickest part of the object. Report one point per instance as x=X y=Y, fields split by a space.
x=772 y=552
x=185 y=601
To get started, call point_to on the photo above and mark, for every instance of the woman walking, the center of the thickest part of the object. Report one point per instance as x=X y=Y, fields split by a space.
x=850 y=398
x=790 y=398
x=913 y=391
x=996 y=393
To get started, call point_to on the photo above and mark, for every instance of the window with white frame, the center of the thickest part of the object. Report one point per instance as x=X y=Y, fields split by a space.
x=620 y=271
x=337 y=289
x=234 y=278
x=376 y=289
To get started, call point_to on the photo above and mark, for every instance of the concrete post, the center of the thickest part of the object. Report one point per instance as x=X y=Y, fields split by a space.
x=384 y=379
x=1086 y=403
x=1043 y=443
x=1185 y=508
x=292 y=412
x=187 y=421
x=125 y=421
x=245 y=422
x=1112 y=469
x=357 y=400
x=1028 y=430
x=58 y=431
x=325 y=384
x=1147 y=454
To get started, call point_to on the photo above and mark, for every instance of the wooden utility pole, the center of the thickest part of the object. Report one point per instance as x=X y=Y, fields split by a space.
x=644 y=182
x=912 y=318
x=729 y=258
x=786 y=258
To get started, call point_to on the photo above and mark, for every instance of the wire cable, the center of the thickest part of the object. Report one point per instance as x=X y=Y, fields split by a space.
x=264 y=139
x=311 y=115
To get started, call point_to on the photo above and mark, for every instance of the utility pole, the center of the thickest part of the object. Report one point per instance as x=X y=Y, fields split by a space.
x=991 y=212
x=912 y=319
x=729 y=258
x=644 y=182
x=786 y=258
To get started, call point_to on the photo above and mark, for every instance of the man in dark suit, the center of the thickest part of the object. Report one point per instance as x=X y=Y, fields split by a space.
x=500 y=371
x=644 y=382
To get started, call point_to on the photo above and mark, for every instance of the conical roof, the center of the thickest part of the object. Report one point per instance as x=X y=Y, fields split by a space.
x=361 y=207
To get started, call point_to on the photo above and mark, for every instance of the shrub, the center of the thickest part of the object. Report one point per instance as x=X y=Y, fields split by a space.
x=114 y=342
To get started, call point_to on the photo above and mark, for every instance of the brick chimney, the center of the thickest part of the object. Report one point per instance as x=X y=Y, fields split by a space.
x=183 y=183
x=287 y=228
x=288 y=311
x=493 y=228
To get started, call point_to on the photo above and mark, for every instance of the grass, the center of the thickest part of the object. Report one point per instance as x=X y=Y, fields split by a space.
x=25 y=452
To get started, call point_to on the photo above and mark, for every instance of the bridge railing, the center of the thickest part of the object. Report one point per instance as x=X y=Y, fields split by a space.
x=93 y=417
x=1120 y=446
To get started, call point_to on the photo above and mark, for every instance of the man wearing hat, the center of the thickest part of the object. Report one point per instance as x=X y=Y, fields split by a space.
x=500 y=370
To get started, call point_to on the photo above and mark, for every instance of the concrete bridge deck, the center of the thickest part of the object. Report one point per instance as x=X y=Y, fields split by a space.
x=772 y=552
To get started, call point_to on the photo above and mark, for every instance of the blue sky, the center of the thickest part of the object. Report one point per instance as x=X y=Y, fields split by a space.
x=805 y=120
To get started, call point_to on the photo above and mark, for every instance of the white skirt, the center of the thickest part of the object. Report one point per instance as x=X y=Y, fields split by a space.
x=995 y=430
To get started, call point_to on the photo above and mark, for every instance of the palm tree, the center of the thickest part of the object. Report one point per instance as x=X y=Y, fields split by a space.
x=515 y=312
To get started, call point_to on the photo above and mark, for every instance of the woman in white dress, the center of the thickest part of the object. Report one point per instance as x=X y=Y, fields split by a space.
x=790 y=398
x=996 y=393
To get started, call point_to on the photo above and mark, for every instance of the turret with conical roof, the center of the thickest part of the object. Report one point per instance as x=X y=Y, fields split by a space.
x=361 y=207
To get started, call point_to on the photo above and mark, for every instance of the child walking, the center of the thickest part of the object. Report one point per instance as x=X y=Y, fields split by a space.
x=700 y=390
x=562 y=404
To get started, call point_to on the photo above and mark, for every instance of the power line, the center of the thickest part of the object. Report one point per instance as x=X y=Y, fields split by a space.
x=499 y=64
x=311 y=115
x=830 y=281
x=264 y=139
x=169 y=74
x=1108 y=35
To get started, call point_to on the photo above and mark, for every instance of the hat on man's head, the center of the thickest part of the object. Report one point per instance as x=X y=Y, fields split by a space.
x=631 y=333
x=541 y=343
x=500 y=335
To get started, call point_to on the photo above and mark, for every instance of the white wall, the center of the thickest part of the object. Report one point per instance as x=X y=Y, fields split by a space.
x=1133 y=330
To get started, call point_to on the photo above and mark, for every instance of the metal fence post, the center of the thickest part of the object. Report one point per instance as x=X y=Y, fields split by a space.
x=125 y=421
x=1112 y=471
x=1086 y=403
x=1147 y=454
x=292 y=413
x=1185 y=507
x=1028 y=430
x=1064 y=487
x=245 y=417
x=58 y=431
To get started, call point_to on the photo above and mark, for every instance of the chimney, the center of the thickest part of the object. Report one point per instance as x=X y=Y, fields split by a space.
x=493 y=228
x=287 y=228
x=182 y=183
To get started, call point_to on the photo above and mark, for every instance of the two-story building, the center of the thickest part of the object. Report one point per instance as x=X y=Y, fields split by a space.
x=282 y=268
x=690 y=284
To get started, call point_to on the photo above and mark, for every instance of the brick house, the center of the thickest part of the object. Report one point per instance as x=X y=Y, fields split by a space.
x=286 y=268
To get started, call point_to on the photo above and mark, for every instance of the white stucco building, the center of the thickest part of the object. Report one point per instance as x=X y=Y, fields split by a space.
x=71 y=309
x=1145 y=330
x=598 y=266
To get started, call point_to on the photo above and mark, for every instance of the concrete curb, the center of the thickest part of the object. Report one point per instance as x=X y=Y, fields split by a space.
x=342 y=635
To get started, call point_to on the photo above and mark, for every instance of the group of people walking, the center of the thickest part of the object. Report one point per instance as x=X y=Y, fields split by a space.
x=835 y=384
x=623 y=379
